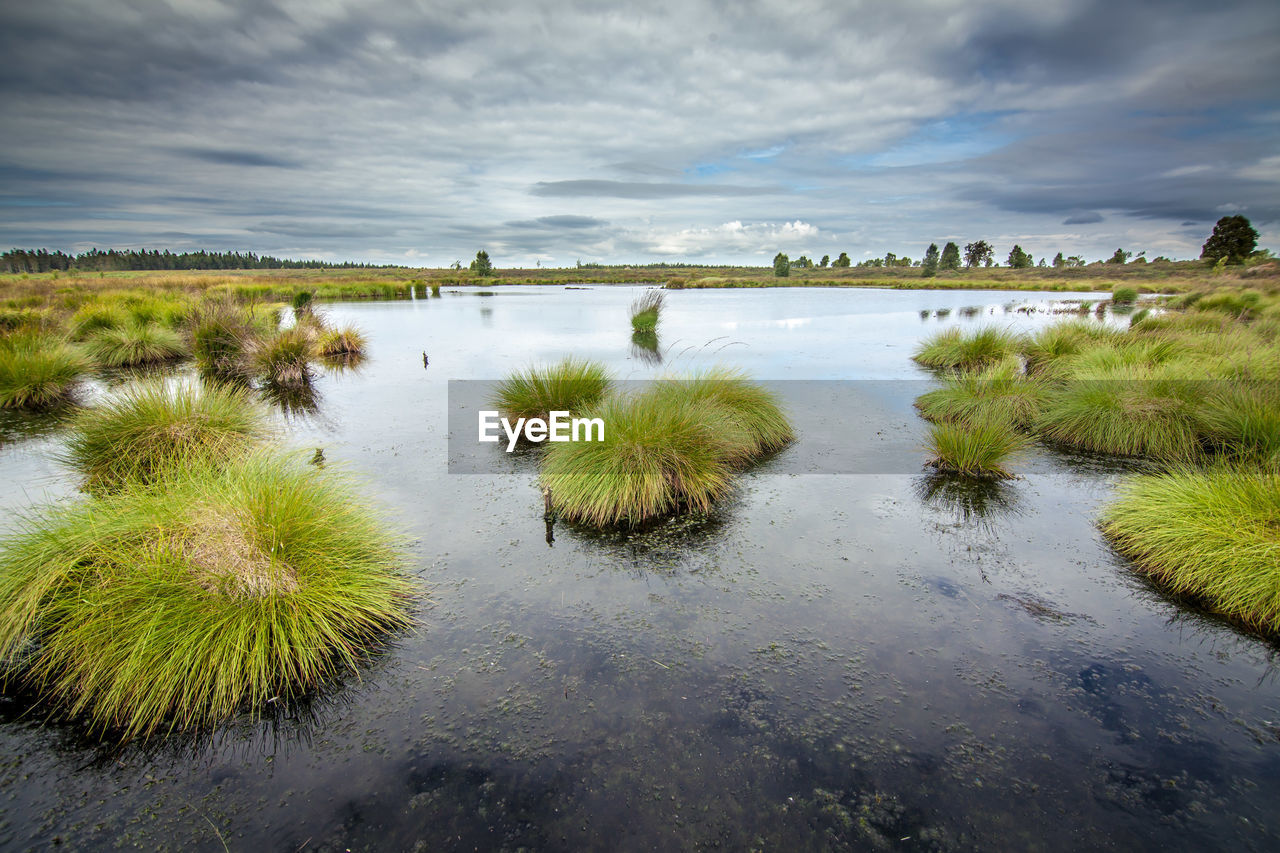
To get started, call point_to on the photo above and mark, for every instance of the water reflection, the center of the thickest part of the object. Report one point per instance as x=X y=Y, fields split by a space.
x=970 y=501
x=644 y=347
x=293 y=399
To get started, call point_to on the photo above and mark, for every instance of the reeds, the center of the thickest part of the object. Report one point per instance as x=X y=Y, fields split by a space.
x=221 y=588
x=646 y=311
x=1212 y=534
x=573 y=385
x=146 y=429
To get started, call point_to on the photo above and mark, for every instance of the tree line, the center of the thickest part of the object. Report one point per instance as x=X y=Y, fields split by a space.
x=97 y=260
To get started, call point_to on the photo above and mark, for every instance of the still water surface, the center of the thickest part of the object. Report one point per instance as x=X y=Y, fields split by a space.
x=826 y=662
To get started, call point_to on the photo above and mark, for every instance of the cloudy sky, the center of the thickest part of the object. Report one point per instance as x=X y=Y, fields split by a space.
x=712 y=132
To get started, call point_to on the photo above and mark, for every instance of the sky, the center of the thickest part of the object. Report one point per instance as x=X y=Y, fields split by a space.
x=607 y=132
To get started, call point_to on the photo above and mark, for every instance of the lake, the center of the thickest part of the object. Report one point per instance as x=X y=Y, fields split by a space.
x=871 y=659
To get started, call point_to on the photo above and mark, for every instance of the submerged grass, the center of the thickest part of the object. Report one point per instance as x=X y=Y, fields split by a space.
x=1212 y=534
x=176 y=606
x=573 y=385
x=37 y=371
x=150 y=428
x=952 y=349
x=978 y=449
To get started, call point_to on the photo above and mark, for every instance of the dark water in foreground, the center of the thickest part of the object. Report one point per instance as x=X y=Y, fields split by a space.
x=868 y=662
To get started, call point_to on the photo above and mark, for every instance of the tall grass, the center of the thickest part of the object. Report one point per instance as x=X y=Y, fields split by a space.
x=1213 y=534
x=222 y=337
x=1060 y=341
x=1124 y=296
x=952 y=349
x=284 y=359
x=1142 y=414
x=142 y=432
x=135 y=344
x=654 y=459
x=347 y=341
x=755 y=411
x=979 y=449
x=37 y=371
x=1242 y=419
x=573 y=385
x=646 y=311
x=997 y=393
x=176 y=606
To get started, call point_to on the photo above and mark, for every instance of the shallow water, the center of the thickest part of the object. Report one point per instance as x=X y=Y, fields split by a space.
x=866 y=661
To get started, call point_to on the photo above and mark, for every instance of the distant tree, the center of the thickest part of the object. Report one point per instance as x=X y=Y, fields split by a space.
x=1233 y=238
x=1042 y=263
x=1019 y=259
x=842 y=261
x=1058 y=261
x=978 y=254
x=890 y=259
x=929 y=268
x=803 y=262
x=481 y=265
x=781 y=265
x=825 y=262
x=950 y=259
x=1074 y=261
x=1120 y=257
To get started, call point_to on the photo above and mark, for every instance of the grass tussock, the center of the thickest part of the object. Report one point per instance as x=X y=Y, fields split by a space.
x=347 y=341
x=38 y=371
x=177 y=606
x=755 y=411
x=1146 y=415
x=574 y=385
x=999 y=393
x=285 y=359
x=979 y=449
x=1211 y=534
x=134 y=344
x=152 y=428
x=952 y=349
x=646 y=311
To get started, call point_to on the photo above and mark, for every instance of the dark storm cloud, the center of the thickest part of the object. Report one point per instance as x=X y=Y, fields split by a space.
x=1083 y=219
x=237 y=158
x=635 y=189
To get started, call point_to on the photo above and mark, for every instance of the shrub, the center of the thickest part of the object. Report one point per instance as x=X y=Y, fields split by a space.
x=152 y=427
x=1214 y=535
x=573 y=385
x=977 y=450
x=37 y=372
x=175 y=606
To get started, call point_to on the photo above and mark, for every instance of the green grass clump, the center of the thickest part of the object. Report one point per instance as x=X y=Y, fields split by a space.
x=37 y=371
x=135 y=344
x=978 y=449
x=1124 y=296
x=1060 y=341
x=1135 y=414
x=1213 y=535
x=153 y=427
x=95 y=317
x=952 y=349
x=573 y=385
x=1242 y=419
x=347 y=341
x=1240 y=304
x=222 y=336
x=646 y=311
x=754 y=410
x=658 y=455
x=285 y=359
x=177 y=606
x=997 y=393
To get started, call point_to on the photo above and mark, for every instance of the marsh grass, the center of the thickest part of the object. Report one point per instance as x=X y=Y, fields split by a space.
x=1243 y=420
x=997 y=393
x=1210 y=534
x=147 y=429
x=1144 y=414
x=646 y=311
x=222 y=337
x=38 y=371
x=135 y=344
x=284 y=359
x=573 y=385
x=952 y=349
x=761 y=425
x=979 y=450
x=346 y=341
x=177 y=606
x=95 y=317
x=654 y=459
x=1124 y=296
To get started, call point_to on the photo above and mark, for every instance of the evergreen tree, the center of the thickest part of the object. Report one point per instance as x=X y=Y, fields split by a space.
x=1233 y=238
x=950 y=259
x=781 y=265
x=481 y=265
x=842 y=261
x=929 y=267
x=1019 y=259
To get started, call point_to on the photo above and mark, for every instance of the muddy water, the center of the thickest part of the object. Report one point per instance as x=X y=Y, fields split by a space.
x=872 y=661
